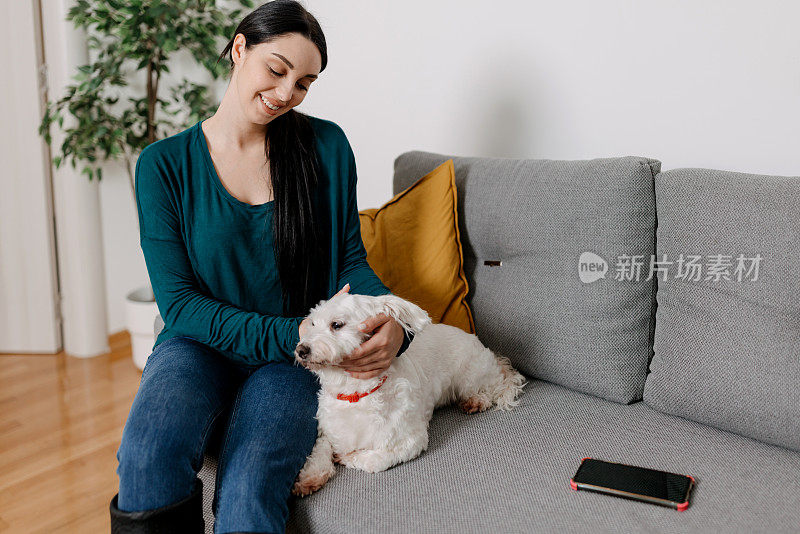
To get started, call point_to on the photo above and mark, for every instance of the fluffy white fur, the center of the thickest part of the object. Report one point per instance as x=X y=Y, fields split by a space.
x=442 y=365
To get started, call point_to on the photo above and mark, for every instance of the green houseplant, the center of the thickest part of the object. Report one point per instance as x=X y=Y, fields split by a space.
x=127 y=39
x=142 y=34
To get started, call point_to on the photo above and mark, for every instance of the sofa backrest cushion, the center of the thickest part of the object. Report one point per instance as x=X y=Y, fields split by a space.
x=727 y=337
x=524 y=225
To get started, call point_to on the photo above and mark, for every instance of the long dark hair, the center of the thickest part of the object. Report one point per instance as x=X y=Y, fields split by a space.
x=301 y=235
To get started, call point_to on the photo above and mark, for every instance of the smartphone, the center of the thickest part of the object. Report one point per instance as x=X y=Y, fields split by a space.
x=632 y=482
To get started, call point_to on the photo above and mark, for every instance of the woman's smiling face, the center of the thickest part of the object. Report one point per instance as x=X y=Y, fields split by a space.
x=281 y=71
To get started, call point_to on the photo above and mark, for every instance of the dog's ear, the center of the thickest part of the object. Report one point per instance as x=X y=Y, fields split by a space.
x=405 y=312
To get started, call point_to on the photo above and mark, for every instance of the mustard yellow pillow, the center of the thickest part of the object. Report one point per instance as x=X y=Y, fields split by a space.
x=414 y=247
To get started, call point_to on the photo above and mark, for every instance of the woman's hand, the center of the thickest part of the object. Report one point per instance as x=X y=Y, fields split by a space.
x=377 y=353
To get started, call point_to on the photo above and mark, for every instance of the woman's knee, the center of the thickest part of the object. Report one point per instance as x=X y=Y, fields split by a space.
x=150 y=451
x=159 y=439
x=156 y=465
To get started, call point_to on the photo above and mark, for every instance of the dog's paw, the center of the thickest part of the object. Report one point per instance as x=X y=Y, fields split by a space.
x=475 y=404
x=342 y=458
x=306 y=484
x=367 y=460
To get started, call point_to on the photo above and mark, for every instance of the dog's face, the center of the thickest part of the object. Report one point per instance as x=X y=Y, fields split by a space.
x=334 y=330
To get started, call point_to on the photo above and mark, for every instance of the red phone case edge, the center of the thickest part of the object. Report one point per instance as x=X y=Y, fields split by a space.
x=684 y=505
x=572 y=482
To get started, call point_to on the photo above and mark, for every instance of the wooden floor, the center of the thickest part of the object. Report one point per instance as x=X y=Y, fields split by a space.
x=61 y=421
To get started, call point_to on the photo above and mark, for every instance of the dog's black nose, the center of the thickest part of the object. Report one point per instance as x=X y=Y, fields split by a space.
x=302 y=351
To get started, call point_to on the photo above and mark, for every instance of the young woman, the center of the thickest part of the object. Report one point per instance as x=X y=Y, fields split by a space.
x=247 y=220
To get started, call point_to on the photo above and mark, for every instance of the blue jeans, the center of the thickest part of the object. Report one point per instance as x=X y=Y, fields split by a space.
x=271 y=428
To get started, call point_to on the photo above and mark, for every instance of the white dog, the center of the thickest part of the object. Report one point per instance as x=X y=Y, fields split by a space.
x=373 y=424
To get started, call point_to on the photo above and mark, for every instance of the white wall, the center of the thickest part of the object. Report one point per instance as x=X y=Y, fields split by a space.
x=693 y=83
x=28 y=280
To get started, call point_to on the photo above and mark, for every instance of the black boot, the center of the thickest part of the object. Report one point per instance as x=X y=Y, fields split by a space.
x=184 y=516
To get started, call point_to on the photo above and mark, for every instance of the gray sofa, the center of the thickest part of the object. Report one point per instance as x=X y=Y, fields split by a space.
x=685 y=371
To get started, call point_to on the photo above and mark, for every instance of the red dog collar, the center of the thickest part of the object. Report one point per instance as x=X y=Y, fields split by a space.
x=355 y=397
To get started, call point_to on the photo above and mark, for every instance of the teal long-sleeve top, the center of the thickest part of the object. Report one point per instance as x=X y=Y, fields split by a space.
x=210 y=256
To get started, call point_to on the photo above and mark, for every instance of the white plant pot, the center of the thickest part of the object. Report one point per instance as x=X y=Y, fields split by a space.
x=141 y=311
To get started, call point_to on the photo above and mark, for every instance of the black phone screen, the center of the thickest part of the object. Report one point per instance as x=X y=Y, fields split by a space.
x=638 y=481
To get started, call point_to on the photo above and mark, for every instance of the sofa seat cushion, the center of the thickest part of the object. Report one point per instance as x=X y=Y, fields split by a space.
x=510 y=472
